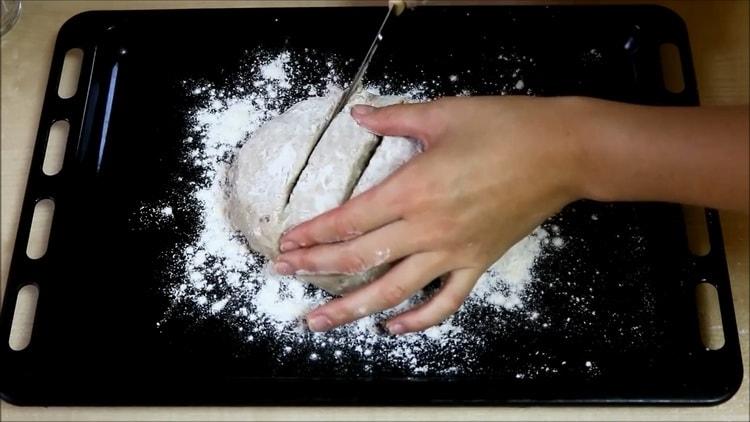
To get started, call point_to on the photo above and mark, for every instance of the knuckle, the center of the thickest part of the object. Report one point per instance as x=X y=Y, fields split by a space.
x=393 y=294
x=339 y=312
x=420 y=194
x=343 y=227
x=396 y=193
x=422 y=240
x=439 y=234
x=446 y=226
x=390 y=112
x=353 y=262
x=306 y=260
x=298 y=234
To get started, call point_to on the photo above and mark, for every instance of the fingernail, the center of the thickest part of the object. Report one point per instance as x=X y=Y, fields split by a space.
x=396 y=328
x=283 y=268
x=362 y=110
x=319 y=323
x=288 y=245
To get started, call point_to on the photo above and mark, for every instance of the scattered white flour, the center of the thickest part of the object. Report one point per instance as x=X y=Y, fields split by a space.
x=276 y=70
x=504 y=284
x=216 y=275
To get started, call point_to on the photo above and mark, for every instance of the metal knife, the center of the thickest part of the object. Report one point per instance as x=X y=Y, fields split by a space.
x=395 y=7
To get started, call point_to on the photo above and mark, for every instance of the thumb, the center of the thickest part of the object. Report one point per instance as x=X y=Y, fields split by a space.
x=407 y=120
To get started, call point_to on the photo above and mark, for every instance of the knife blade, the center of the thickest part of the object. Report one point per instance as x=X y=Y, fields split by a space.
x=395 y=7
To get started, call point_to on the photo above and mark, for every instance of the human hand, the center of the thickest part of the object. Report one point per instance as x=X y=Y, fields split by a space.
x=493 y=169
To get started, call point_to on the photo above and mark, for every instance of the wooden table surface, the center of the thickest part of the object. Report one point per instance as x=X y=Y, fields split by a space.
x=719 y=38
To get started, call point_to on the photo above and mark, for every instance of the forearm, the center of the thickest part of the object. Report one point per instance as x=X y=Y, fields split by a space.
x=691 y=155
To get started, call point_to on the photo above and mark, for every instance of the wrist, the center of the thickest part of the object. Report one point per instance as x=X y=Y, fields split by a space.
x=579 y=154
x=588 y=124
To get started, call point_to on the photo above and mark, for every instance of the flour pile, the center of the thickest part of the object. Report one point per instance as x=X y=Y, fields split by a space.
x=218 y=276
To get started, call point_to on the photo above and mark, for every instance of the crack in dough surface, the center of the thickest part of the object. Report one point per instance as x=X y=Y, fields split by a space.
x=346 y=161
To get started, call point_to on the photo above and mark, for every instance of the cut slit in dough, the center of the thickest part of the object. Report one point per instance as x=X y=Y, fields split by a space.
x=333 y=168
x=267 y=166
x=346 y=161
x=391 y=153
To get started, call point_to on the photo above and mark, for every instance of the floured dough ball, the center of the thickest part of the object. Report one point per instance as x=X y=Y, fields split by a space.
x=281 y=177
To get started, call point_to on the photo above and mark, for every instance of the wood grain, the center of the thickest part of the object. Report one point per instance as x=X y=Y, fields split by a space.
x=719 y=37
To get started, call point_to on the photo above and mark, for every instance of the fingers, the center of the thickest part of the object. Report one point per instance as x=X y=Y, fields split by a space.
x=377 y=206
x=361 y=214
x=415 y=121
x=384 y=245
x=456 y=288
x=397 y=285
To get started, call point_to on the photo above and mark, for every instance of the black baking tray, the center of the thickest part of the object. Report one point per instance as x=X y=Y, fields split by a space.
x=95 y=340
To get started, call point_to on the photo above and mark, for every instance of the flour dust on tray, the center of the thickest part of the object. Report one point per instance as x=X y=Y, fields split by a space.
x=214 y=275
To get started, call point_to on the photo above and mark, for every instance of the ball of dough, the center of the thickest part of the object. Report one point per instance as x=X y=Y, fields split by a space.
x=287 y=172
